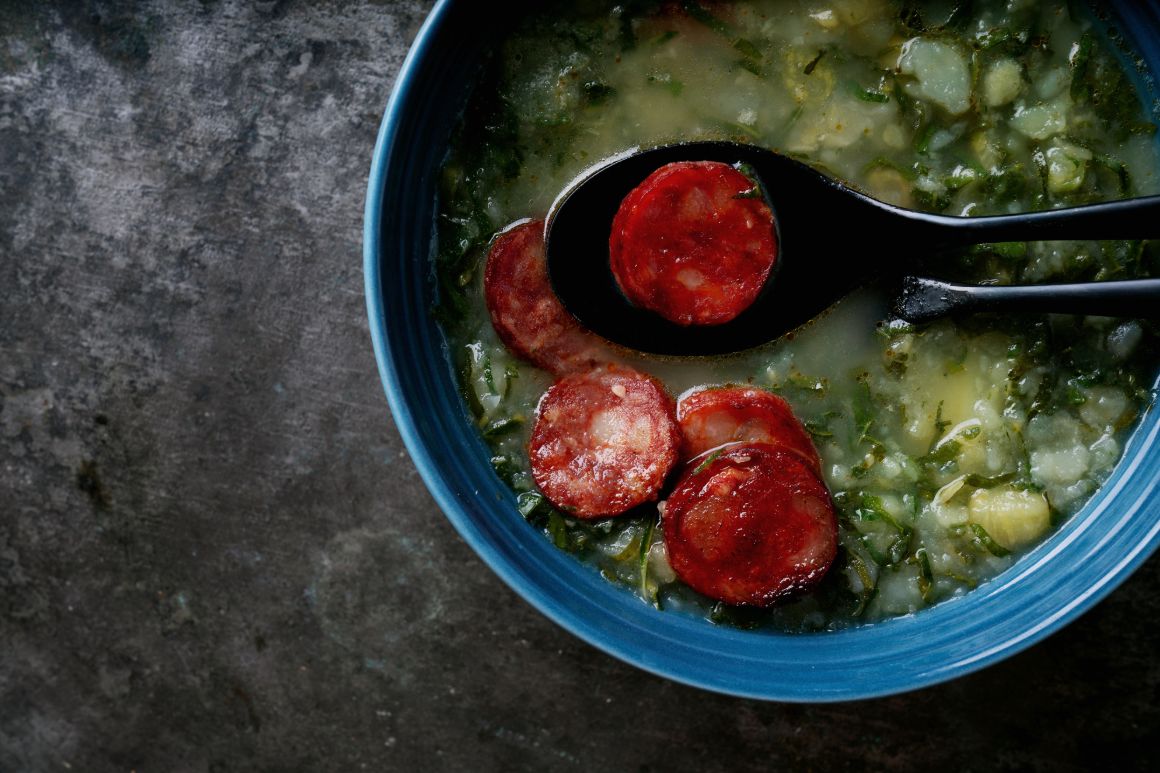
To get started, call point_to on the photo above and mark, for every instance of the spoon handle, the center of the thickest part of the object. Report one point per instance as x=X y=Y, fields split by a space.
x=923 y=300
x=1137 y=218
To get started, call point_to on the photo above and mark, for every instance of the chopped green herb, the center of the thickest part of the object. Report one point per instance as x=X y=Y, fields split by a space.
x=816 y=386
x=864 y=408
x=813 y=63
x=708 y=460
x=896 y=362
x=1075 y=395
x=868 y=95
x=795 y=115
x=861 y=569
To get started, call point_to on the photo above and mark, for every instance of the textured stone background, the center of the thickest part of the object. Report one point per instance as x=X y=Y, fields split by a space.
x=214 y=552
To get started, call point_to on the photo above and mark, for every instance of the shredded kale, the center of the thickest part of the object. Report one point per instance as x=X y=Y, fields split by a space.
x=647 y=592
x=983 y=538
x=1098 y=80
x=596 y=92
x=930 y=201
x=502 y=427
x=1006 y=184
x=530 y=502
x=505 y=466
x=668 y=82
x=922 y=139
x=752 y=58
x=1080 y=59
x=747 y=49
x=557 y=529
x=925 y=575
x=699 y=13
x=984 y=482
x=820 y=426
x=866 y=410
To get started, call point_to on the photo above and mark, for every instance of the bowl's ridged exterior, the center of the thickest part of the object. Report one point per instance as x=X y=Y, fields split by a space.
x=1046 y=589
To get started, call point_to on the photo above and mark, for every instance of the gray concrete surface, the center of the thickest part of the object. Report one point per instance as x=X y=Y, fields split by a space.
x=215 y=554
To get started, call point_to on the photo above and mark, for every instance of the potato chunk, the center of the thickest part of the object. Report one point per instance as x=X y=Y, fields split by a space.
x=941 y=72
x=1066 y=167
x=1002 y=82
x=1013 y=517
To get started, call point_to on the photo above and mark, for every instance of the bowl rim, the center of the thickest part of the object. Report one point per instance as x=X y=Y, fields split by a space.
x=1015 y=579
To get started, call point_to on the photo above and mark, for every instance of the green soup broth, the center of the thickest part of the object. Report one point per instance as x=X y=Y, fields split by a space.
x=949 y=448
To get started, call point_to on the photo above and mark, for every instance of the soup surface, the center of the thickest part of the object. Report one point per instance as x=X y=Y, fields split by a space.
x=948 y=448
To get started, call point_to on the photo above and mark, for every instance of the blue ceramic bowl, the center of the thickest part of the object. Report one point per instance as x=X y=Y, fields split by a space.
x=1052 y=585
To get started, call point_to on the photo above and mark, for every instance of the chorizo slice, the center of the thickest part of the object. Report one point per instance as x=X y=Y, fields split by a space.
x=603 y=442
x=694 y=242
x=714 y=416
x=524 y=310
x=750 y=525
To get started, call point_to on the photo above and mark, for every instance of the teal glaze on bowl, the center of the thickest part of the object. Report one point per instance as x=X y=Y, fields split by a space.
x=1047 y=588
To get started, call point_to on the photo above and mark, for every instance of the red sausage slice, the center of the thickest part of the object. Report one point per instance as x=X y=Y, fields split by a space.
x=692 y=243
x=525 y=311
x=750 y=526
x=717 y=415
x=603 y=442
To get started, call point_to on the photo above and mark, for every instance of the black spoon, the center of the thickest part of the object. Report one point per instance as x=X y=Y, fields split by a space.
x=831 y=240
x=922 y=300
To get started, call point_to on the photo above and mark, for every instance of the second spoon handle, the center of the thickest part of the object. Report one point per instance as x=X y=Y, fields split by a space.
x=1137 y=218
x=922 y=300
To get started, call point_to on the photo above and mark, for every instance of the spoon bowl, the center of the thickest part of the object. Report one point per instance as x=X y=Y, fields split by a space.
x=831 y=240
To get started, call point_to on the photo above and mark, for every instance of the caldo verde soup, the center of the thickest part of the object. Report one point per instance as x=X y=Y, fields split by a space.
x=947 y=449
